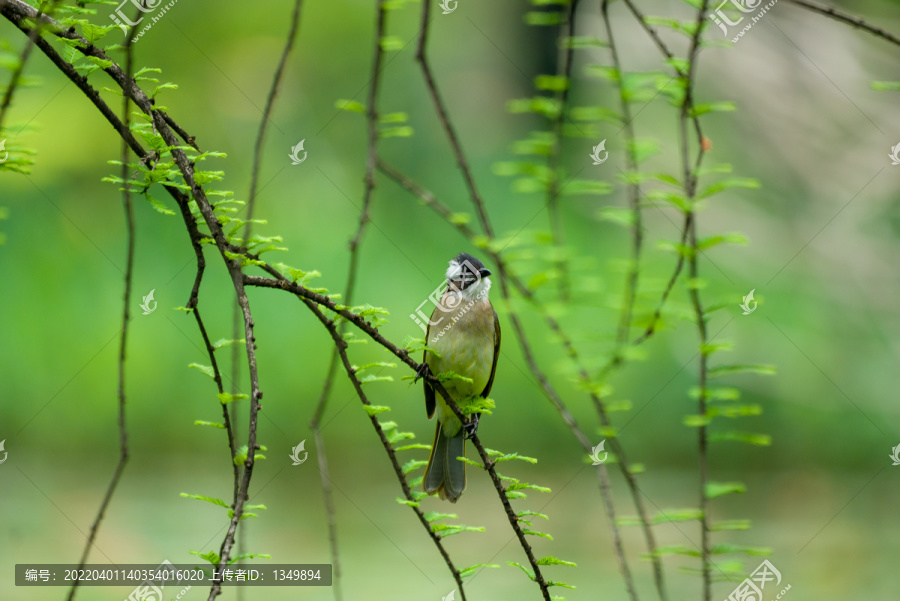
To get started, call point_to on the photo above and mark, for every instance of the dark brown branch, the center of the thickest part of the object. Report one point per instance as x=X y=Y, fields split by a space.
x=509 y=278
x=849 y=19
x=267 y=111
x=248 y=228
x=126 y=316
x=690 y=186
x=421 y=57
x=341 y=345
x=281 y=283
x=503 y=271
x=369 y=183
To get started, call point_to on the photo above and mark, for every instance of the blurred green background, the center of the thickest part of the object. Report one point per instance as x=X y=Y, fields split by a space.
x=824 y=242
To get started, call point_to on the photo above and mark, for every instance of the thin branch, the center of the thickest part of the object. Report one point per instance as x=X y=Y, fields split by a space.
x=20 y=66
x=444 y=118
x=509 y=278
x=248 y=229
x=634 y=194
x=690 y=186
x=281 y=283
x=369 y=186
x=341 y=347
x=126 y=304
x=565 y=52
x=504 y=274
x=267 y=111
x=847 y=18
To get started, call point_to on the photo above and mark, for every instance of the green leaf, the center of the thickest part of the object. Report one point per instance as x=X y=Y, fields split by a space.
x=212 y=500
x=213 y=424
x=223 y=342
x=227 y=397
x=730 y=525
x=886 y=85
x=374 y=410
x=413 y=464
x=350 y=105
x=727 y=184
x=536 y=533
x=400 y=131
x=468 y=571
x=527 y=571
x=718 y=489
x=587 y=186
x=554 y=561
x=725 y=370
x=551 y=83
x=760 y=440
x=212 y=557
x=543 y=18
x=664 y=517
x=717 y=107
x=205 y=369
x=158 y=205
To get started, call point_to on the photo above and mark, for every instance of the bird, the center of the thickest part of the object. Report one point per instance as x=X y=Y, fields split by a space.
x=465 y=333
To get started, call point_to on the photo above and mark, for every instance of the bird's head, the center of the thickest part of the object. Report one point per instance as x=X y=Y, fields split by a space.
x=469 y=276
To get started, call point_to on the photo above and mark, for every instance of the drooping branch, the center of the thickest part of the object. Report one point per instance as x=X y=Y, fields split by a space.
x=278 y=281
x=16 y=77
x=565 y=55
x=691 y=175
x=341 y=347
x=506 y=278
x=126 y=304
x=843 y=17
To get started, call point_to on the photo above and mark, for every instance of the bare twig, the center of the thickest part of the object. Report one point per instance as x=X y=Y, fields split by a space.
x=26 y=52
x=341 y=345
x=847 y=18
x=634 y=194
x=278 y=281
x=267 y=111
x=506 y=278
x=369 y=186
x=126 y=303
x=565 y=52
x=248 y=229
x=690 y=185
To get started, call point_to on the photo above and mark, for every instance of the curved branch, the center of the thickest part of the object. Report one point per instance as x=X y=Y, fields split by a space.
x=847 y=18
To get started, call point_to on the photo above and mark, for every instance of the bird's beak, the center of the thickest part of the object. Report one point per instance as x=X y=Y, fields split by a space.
x=484 y=272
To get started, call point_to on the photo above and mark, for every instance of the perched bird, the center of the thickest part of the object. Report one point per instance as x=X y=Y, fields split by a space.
x=465 y=332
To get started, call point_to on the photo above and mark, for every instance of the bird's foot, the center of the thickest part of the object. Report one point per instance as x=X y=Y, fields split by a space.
x=422 y=372
x=471 y=426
